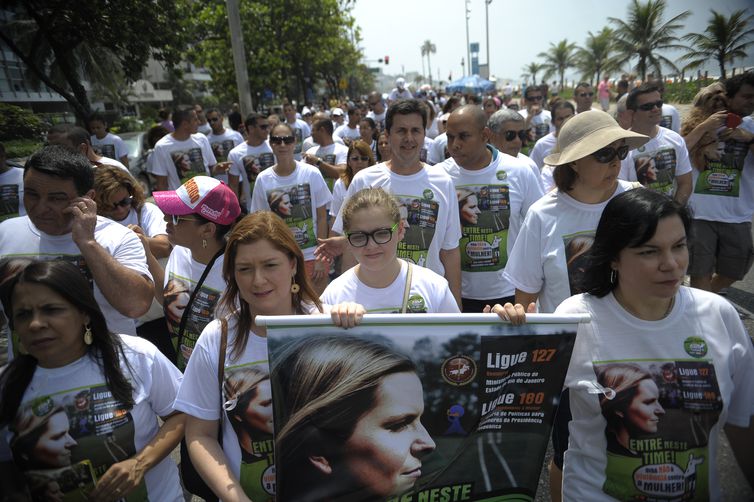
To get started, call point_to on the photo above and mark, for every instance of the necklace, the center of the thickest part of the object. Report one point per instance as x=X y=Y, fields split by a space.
x=633 y=313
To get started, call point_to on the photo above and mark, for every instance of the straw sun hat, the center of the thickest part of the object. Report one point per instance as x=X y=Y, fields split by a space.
x=586 y=133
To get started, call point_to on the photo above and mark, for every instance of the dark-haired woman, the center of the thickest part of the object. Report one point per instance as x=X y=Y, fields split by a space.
x=369 y=133
x=630 y=439
x=80 y=405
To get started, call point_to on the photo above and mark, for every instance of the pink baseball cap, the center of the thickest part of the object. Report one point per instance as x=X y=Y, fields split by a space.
x=202 y=195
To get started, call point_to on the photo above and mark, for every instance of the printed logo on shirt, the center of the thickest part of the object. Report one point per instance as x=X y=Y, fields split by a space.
x=176 y=295
x=656 y=170
x=65 y=442
x=541 y=130
x=695 y=346
x=293 y=203
x=657 y=428
x=221 y=149
x=576 y=250
x=666 y=121
x=107 y=150
x=419 y=219
x=248 y=405
x=9 y=201
x=188 y=163
x=485 y=217
x=299 y=140
x=253 y=164
x=722 y=174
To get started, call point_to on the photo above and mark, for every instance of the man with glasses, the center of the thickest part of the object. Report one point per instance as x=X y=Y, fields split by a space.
x=327 y=156
x=377 y=109
x=250 y=158
x=182 y=154
x=222 y=141
x=62 y=223
x=427 y=194
x=77 y=140
x=583 y=96
x=661 y=164
x=508 y=133
x=493 y=192
x=537 y=118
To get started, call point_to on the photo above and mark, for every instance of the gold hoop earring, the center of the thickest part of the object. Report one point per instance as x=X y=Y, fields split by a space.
x=295 y=288
x=88 y=337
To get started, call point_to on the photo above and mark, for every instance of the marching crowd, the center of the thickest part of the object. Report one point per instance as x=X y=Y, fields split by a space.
x=121 y=311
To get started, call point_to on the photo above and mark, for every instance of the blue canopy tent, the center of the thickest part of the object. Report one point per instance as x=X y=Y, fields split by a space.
x=473 y=84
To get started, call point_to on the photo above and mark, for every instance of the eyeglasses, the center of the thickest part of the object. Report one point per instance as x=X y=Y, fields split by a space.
x=522 y=134
x=123 y=203
x=279 y=140
x=176 y=219
x=607 y=154
x=214 y=119
x=534 y=98
x=379 y=236
x=586 y=94
x=362 y=158
x=648 y=107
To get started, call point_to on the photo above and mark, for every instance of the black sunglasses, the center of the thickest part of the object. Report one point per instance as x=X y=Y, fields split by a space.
x=124 y=202
x=379 y=236
x=214 y=119
x=648 y=107
x=363 y=158
x=278 y=140
x=535 y=98
x=607 y=154
x=586 y=94
x=511 y=135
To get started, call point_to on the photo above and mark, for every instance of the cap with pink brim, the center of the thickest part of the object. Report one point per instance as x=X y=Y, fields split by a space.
x=208 y=197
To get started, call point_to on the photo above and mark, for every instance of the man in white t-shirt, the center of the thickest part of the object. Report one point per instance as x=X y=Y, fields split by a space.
x=399 y=91
x=662 y=162
x=222 y=141
x=250 y=158
x=300 y=128
x=537 y=118
x=77 y=140
x=583 y=96
x=106 y=143
x=62 y=223
x=350 y=131
x=182 y=154
x=493 y=191
x=329 y=157
x=11 y=189
x=670 y=117
x=377 y=109
x=508 y=134
x=203 y=126
x=561 y=111
x=426 y=196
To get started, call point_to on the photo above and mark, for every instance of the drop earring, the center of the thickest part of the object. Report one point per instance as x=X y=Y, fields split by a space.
x=88 y=337
x=204 y=243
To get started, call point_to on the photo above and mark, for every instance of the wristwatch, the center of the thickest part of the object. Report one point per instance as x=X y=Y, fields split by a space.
x=319 y=162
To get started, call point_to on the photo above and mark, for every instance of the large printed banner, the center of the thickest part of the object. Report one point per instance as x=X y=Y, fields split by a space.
x=415 y=408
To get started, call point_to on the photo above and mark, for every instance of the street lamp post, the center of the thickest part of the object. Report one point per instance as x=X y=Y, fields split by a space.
x=468 y=50
x=487 y=25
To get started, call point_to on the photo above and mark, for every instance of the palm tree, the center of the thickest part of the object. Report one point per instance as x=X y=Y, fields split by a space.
x=558 y=59
x=532 y=69
x=722 y=40
x=429 y=48
x=644 y=34
x=596 y=55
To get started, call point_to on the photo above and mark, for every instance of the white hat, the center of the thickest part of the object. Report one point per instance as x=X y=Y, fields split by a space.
x=400 y=82
x=337 y=112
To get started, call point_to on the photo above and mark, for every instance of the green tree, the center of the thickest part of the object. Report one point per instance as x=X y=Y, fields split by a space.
x=532 y=69
x=643 y=35
x=723 y=40
x=558 y=59
x=429 y=48
x=596 y=55
x=65 y=43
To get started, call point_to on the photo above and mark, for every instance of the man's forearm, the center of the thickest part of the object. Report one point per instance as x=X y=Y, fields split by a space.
x=451 y=260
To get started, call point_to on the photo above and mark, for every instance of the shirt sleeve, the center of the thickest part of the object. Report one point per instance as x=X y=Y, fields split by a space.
x=683 y=163
x=161 y=161
x=130 y=253
x=453 y=230
x=741 y=408
x=234 y=157
x=207 y=153
x=199 y=393
x=322 y=195
x=152 y=220
x=259 y=197
x=166 y=380
x=627 y=171
x=524 y=267
x=120 y=148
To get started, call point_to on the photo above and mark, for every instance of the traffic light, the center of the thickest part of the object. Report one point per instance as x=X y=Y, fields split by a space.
x=387 y=59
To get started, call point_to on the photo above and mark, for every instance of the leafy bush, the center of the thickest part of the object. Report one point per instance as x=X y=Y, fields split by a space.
x=19 y=123
x=21 y=148
x=684 y=92
x=127 y=124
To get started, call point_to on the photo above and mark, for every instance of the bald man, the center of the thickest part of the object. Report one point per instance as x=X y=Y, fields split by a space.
x=493 y=190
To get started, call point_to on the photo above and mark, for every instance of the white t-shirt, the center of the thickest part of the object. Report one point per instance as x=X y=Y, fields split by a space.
x=541 y=123
x=182 y=160
x=247 y=162
x=438 y=152
x=495 y=201
x=221 y=145
x=429 y=293
x=204 y=128
x=557 y=230
x=333 y=154
x=658 y=162
x=12 y=193
x=20 y=238
x=182 y=272
x=252 y=462
x=670 y=118
x=338 y=197
x=397 y=94
x=547 y=178
x=113 y=162
x=424 y=154
x=379 y=119
x=100 y=431
x=150 y=219
x=345 y=132
x=428 y=201
x=701 y=368
x=724 y=191
x=295 y=198
x=309 y=142
x=542 y=149
x=301 y=130
x=110 y=146
x=534 y=168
